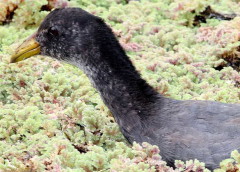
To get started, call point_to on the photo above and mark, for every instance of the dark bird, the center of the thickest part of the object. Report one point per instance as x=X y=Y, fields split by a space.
x=183 y=130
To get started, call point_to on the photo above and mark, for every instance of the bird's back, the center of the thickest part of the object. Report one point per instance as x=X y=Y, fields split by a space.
x=203 y=130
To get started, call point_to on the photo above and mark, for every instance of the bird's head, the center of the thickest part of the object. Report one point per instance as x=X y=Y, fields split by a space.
x=65 y=34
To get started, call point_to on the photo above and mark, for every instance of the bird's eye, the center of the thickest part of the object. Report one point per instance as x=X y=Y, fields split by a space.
x=53 y=31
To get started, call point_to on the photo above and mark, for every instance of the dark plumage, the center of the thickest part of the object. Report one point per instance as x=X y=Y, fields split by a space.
x=205 y=130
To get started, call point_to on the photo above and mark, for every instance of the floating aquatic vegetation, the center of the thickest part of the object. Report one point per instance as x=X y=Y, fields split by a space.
x=22 y=12
x=52 y=119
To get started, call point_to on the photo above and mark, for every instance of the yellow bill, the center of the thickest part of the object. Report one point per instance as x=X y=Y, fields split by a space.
x=27 y=49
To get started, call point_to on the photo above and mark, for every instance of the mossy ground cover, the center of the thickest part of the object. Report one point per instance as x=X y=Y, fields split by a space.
x=52 y=119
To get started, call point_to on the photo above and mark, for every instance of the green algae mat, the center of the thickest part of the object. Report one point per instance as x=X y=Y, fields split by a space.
x=52 y=119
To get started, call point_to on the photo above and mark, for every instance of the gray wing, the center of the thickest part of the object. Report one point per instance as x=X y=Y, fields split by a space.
x=203 y=130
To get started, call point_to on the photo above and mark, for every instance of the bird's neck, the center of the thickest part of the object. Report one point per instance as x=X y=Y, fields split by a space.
x=122 y=89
